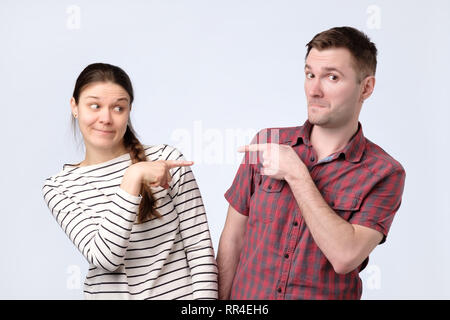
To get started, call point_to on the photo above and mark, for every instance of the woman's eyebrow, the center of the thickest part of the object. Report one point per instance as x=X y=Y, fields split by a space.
x=120 y=99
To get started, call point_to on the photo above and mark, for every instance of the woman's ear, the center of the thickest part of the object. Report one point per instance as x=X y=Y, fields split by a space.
x=367 y=88
x=74 y=107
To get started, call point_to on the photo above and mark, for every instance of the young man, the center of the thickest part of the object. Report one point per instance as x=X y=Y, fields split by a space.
x=305 y=216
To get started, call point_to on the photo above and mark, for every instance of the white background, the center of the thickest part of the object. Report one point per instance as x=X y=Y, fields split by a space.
x=204 y=74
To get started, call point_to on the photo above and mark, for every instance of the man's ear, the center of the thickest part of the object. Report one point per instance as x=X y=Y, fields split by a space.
x=74 y=107
x=368 y=85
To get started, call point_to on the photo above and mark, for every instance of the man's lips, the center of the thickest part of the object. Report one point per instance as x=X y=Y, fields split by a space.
x=317 y=105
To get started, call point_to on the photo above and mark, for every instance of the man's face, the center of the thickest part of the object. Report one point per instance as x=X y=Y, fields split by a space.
x=332 y=89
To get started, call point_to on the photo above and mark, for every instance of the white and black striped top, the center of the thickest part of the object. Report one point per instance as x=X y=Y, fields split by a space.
x=165 y=258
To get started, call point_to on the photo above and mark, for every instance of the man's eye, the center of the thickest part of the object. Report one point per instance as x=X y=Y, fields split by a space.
x=309 y=75
x=94 y=106
x=118 y=108
x=332 y=77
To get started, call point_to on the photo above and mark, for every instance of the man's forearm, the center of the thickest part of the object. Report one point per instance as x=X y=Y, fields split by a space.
x=334 y=236
x=227 y=262
x=230 y=247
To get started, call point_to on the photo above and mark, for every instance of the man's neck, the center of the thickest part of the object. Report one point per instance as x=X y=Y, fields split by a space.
x=327 y=141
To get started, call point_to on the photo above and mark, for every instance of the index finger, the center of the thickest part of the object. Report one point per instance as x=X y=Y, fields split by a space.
x=178 y=163
x=253 y=147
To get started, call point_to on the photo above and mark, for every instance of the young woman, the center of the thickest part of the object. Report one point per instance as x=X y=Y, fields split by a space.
x=135 y=212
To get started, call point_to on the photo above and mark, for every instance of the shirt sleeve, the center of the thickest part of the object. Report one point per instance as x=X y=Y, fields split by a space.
x=242 y=188
x=378 y=208
x=247 y=177
x=194 y=230
x=102 y=238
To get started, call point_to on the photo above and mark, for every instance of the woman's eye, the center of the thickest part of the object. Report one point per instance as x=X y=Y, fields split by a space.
x=118 y=108
x=94 y=106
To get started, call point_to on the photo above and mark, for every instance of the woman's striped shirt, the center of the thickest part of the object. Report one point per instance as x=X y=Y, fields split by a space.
x=165 y=258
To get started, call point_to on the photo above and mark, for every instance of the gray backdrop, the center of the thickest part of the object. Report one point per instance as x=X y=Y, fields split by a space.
x=208 y=75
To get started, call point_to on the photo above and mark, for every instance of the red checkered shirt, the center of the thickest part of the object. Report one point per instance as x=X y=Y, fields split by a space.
x=280 y=259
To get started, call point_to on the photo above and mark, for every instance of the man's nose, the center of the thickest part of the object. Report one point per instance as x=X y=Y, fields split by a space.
x=314 y=88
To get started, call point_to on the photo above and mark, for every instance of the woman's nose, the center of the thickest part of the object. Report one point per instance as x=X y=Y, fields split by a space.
x=105 y=116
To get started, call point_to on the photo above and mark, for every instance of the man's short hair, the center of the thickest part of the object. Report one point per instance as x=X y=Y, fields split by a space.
x=361 y=48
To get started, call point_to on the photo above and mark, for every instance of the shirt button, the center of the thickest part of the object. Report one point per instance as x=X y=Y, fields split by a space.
x=279 y=290
x=270 y=187
x=286 y=256
x=295 y=223
x=312 y=159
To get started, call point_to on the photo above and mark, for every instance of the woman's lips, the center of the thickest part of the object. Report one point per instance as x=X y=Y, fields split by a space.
x=104 y=131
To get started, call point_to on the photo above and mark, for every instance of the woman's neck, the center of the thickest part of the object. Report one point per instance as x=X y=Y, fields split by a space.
x=96 y=156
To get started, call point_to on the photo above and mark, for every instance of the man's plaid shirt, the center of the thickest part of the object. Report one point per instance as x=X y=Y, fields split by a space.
x=280 y=259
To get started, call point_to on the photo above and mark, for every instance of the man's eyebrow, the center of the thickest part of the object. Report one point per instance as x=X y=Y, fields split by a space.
x=332 y=69
x=327 y=69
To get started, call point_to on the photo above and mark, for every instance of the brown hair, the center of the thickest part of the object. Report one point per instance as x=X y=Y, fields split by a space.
x=361 y=48
x=102 y=72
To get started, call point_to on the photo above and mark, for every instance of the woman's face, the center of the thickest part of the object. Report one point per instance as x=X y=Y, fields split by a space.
x=102 y=111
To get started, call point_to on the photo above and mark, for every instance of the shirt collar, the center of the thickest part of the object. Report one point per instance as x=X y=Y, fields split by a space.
x=297 y=135
x=352 y=152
